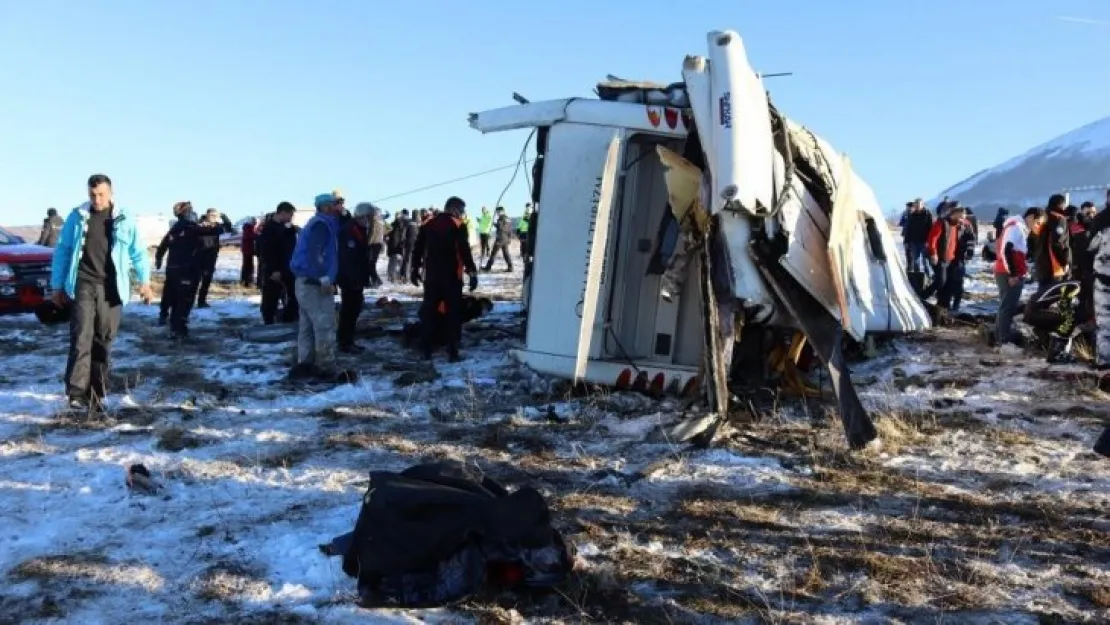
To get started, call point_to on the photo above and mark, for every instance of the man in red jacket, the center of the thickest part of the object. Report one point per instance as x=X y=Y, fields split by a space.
x=1010 y=268
x=246 y=247
x=951 y=242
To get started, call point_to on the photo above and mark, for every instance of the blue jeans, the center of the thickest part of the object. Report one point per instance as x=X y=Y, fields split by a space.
x=1009 y=301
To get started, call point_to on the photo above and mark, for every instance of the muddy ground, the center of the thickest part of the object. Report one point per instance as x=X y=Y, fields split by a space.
x=984 y=503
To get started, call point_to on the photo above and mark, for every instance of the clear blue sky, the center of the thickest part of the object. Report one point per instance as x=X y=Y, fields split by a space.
x=239 y=104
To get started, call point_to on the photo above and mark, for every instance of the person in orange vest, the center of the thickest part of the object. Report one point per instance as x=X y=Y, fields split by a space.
x=950 y=244
x=1054 y=245
x=1010 y=269
x=442 y=251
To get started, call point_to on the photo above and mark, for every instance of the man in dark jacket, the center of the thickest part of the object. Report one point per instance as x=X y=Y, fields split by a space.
x=275 y=244
x=395 y=246
x=51 y=226
x=375 y=226
x=210 y=252
x=411 y=233
x=951 y=243
x=354 y=275
x=1054 y=245
x=246 y=248
x=915 y=233
x=442 y=251
x=503 y=233
x=184 y=266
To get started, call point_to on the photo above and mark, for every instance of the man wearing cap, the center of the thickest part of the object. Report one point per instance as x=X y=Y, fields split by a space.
x=443 y=252
x=315 y=265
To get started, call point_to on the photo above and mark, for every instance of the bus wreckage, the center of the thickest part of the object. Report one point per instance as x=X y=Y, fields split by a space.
x=676 y=220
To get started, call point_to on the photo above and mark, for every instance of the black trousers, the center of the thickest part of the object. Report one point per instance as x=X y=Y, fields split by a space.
x=246 y=275
x=350 y=307
x=93 y=325
x=498 y=246
x=441 y=315
x=483 y=239
x=209 y=270
x=406 y=258
x=274 y=292
x=375 y=252
x=181 y=290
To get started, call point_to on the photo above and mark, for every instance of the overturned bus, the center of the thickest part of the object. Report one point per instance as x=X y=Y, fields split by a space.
x=673 y=217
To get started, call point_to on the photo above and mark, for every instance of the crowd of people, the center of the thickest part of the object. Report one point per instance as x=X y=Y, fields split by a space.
x=1053 y=247
x=298 y=270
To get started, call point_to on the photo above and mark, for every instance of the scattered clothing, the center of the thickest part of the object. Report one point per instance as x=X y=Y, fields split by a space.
x=436 y=533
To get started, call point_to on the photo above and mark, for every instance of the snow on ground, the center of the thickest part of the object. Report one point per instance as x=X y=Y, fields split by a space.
x=984 y=503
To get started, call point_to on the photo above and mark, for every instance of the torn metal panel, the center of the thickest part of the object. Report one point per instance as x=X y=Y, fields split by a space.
x=824 y=335
x=595 y=255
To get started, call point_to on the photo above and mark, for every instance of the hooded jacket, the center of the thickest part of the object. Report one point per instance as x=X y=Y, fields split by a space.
x=128 y=252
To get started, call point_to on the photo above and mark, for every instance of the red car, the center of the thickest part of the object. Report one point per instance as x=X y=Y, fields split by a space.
x=24 y=274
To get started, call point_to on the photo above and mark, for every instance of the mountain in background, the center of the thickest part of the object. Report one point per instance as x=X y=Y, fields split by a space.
x=1077 y=162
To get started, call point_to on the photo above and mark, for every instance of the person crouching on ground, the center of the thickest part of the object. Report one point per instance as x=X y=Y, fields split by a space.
x=443 y=252
x=315 y=266
x=1010 y=269
x=98 y=249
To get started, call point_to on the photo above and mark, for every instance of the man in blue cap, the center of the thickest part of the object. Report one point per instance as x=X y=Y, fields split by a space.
x=315 y=266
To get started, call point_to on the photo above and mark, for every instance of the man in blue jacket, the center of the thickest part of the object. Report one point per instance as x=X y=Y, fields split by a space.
x=315 y=266
x=98 y=248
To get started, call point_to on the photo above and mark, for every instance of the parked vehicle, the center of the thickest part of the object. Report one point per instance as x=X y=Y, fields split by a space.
x=24 y=274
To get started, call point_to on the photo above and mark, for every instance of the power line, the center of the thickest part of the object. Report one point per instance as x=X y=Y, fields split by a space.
x=454 y=180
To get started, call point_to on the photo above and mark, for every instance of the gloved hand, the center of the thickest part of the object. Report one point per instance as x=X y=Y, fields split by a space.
x=415 y=277
x=473 y=281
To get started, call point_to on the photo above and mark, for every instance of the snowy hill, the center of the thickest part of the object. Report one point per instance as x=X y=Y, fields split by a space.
x=1078 y=161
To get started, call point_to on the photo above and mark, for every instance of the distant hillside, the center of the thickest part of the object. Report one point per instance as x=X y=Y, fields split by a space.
x=29 y=233
x=1077 y=162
